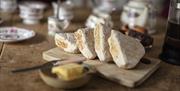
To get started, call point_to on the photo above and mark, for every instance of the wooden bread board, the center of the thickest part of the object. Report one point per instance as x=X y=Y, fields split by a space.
x=129 y=78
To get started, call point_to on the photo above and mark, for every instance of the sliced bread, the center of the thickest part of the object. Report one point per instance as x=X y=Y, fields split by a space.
x=67 y=42
x=85 y=42
x=101 y=35
x=126 y=51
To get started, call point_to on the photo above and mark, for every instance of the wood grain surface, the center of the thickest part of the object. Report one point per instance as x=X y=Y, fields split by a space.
x=29 y=53
x=110 y=71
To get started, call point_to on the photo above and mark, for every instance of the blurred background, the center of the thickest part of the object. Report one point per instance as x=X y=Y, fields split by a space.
x=161 y=5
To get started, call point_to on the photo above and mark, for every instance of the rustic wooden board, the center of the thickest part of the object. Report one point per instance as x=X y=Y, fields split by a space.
x=129 y=78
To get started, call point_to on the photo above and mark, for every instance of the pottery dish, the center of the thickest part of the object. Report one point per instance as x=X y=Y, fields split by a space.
x=52 y=79
x=14 y=34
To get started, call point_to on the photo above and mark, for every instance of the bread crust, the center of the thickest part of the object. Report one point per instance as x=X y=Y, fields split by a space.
x=85 y=42
x=126 y=51
x=67 y=42
x=101 y=35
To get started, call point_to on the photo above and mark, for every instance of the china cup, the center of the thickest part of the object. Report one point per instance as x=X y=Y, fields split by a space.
x=31 y=12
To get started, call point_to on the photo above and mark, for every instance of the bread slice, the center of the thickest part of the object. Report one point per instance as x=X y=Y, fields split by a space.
x=67 y=42
x=85 y=41
x=126 y=51
x=101 y=35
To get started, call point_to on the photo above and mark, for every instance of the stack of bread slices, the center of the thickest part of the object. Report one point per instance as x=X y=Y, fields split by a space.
x=104 y=43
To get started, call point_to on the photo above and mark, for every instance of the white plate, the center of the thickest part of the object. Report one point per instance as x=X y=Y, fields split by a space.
x=14 y=34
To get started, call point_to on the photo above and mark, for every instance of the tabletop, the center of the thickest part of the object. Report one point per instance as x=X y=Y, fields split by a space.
x=29 y=53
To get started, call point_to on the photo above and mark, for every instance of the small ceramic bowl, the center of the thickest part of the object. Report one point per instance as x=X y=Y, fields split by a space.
x=52 y=79
x=31 y=12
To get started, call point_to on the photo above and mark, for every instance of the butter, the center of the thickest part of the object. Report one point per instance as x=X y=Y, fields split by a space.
x=68 y=71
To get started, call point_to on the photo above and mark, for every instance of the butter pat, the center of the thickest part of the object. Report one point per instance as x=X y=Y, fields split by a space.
x=68 y=71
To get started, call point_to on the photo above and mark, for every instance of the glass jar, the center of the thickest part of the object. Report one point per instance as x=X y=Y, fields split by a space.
x=171 y=47
x=140 y=13
x=62 y=17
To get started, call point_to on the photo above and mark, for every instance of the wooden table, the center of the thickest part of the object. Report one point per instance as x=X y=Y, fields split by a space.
x=29 y=53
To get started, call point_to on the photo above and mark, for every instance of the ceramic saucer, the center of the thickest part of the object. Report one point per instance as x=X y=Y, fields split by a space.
x=14 y=34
